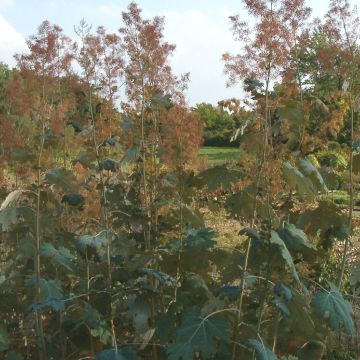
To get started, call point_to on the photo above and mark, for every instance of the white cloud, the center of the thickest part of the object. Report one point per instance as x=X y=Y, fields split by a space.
x=201 y=38
x=6 y=4
x=11 y=42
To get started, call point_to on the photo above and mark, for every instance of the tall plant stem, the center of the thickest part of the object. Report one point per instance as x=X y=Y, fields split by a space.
x=351 y=200
x=145 y=204
x=181 y=219
x=39 y=324
x=351 y=180
x=248 y=246
x=104 y=213
x=88 y=296
x=298 y=77
x=239 y=304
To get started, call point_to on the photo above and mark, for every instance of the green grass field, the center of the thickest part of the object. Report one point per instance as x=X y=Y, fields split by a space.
x=219 y=155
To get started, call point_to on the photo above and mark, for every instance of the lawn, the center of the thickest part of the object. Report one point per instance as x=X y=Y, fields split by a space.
x=219 y=155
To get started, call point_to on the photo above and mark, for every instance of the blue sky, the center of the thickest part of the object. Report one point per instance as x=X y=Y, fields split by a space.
x=199 y=29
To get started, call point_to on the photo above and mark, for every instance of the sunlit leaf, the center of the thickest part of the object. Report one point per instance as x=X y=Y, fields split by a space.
x=276 y=239
x=263 y=352
x=295 y=239
x=11 y=200
x=310 y=171
x=299 y=182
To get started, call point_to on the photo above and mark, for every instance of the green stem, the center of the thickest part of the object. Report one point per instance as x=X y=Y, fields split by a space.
x=39 y=324
x=351 y=187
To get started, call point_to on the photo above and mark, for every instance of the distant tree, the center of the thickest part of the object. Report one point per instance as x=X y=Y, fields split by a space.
x=220 y=125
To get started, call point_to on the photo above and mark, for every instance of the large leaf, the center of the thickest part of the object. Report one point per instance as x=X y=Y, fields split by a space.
x=130 y=156
x=320 y=105
x=300 y=321
x=98 y=326
x=283 y=291
x=335 y=309
x=356 y=164
x=191 y=217
x=93 y=245
x=299 y=182
x=12 y=355
x=166 y=323
x=49 y=289
x=73 y=199
x=160 y=100
x=276 y=239
x=332 y=178
x=161 y=277
x=200 y=239
x=355 y=275
x=295 y=239
x=292 y=112
x=11 y=200
x=216 y=177
x=109 y=165
x=77 y=126
x=327 y=219
x=139 y=311
x=61 y=178
x=198 y=334
x=4 y=339
x=244 y=203
x=10 y=214
x=230 y=292
x=251 y=233
x=54 y=304
x=85 y=160
x=263 y=352
x=126 y=353
x=22 y=155
x=61 y=256
x=309 y=170
x=313 y=350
